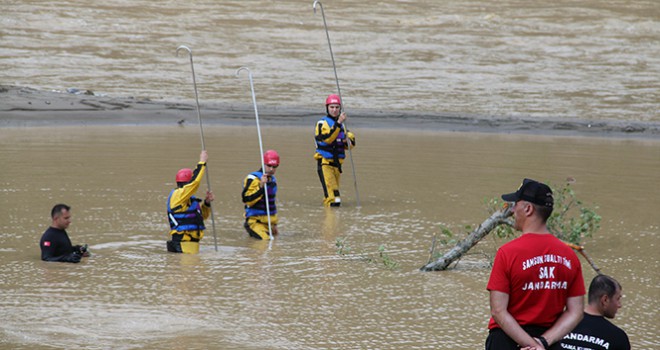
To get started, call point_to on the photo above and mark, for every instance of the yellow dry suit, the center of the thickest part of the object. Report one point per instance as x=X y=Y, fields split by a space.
x=330 y=154
x=253 y=195
x=186 y=215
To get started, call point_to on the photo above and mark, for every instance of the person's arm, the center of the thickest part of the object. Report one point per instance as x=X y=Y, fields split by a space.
x=499 y=303
x=206 y=204
x=71 y=257
x=181 y=196
x=350 y=139
x=567 y=321
x=49 y=254
x=252 y=191
x=324 y=133
x=81 y=249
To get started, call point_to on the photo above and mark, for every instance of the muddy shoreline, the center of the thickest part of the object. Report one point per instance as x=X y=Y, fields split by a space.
x=27 y=107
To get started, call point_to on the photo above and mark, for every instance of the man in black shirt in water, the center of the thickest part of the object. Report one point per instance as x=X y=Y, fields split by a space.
x=55 y=243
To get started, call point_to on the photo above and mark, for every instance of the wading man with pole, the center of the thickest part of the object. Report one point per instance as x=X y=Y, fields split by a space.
x=330 y=174
x=185 y=212
x=332 y=139
x=258 y=210
x=266 y=158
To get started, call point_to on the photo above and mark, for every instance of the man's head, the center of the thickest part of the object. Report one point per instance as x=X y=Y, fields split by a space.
x=605 y=295
x=271 y=162
x=333 y=105
x=184 y=176
x=61 y=216
x=534 y=193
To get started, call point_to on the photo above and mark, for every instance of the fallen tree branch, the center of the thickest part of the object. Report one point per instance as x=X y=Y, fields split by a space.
x=498 y=218
x=580 y=249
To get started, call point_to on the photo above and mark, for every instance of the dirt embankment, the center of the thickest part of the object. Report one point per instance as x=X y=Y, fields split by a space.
x=23 y=107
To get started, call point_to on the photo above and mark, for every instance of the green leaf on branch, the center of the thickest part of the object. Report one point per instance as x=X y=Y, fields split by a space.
x=382 y=257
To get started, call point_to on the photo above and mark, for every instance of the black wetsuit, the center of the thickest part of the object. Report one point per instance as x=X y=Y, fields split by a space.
x=56 y=246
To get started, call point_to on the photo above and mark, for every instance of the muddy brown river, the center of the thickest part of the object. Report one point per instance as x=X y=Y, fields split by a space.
x=298 y=292
x=565 y=59
x=596 y=60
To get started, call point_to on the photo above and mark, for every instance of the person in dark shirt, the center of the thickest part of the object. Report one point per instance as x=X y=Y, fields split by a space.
x=55 y=243
x=594 y=332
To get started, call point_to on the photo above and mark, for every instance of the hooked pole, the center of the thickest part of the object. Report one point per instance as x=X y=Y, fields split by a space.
x=201 y=133
x=334 y=67
x=261 y=147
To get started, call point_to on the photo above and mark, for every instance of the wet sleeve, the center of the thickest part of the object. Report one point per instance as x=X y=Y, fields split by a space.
x=206 y=210
x=53 y=252
x=181 y=196
x=252 y=192
x=72 y=258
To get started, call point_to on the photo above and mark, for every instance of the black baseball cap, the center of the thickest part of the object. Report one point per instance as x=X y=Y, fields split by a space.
x=533 y=192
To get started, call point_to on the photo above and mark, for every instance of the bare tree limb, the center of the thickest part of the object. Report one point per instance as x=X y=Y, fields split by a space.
x=498 y=218
x=581 y=250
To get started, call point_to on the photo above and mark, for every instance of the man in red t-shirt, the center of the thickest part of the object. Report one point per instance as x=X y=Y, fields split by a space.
x=536 y=285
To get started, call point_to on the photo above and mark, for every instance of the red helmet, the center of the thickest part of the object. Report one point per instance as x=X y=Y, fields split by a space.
x=184 y=175
x=271 y=158
x=333 y=99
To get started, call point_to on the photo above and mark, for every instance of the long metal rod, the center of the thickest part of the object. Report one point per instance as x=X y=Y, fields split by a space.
x=261 y=147
x=334 y=67
x=201 y=133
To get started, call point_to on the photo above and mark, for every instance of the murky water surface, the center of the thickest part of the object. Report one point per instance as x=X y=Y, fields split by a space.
x=594 y=59
x=587 y=59
x=297 y=293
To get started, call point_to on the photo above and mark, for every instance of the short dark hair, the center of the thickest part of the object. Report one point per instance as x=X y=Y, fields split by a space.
x=602 y=285
x=58 y=209
x=544 y=212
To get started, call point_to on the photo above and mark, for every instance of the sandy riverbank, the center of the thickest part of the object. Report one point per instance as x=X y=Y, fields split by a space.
x=23 y=107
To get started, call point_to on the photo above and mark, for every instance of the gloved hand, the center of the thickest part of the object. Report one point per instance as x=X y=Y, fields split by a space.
x=84 y=251
x=80 y=250
x=350 y=140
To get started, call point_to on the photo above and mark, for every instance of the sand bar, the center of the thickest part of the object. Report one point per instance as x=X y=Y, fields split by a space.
x=24 y=107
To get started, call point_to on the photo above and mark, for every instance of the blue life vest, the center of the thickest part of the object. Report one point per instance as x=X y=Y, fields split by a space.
x=336 y=149
x=259 y=208
x=188 y=220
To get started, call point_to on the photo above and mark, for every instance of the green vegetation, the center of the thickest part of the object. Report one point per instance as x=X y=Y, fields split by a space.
x=571 y=221
x=381 y=257
x=569 y=225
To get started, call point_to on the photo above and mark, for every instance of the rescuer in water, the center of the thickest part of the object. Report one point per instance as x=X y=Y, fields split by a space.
x=185 y=212
x=254 y=197
x=332 y=140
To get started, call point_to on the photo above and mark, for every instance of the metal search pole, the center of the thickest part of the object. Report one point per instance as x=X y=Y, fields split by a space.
x=334 y=67
x=261 y=147
x=201 y=133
